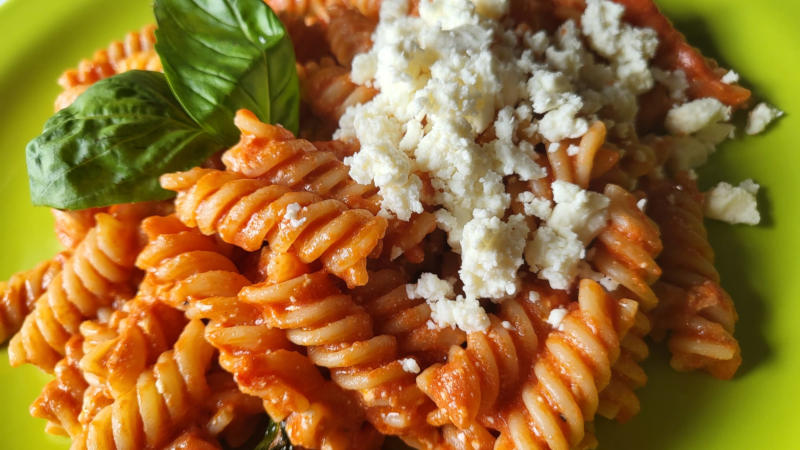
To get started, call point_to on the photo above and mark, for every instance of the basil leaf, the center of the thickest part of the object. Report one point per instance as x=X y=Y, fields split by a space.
x=223 y=55
x=275 y=438
x=113 y=142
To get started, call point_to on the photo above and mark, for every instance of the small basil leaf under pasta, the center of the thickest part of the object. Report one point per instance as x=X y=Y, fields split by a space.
x=220 y=56
x=275 y=438
x=113 y=142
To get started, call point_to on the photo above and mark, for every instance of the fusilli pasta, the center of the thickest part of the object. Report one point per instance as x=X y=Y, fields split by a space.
x=572 y=368
x=97 y=275
x=338 y=335
x=246 y=212
x=19 y=294
x=696 y=310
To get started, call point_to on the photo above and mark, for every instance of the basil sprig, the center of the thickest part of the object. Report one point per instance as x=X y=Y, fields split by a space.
x=222 y=55
x=113 y=142
x=111 y=145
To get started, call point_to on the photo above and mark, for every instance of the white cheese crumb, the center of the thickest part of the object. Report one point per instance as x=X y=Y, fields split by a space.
x=535 y=206
x=464 y=313
x=557 y=246
x=695 y=115
x=641 y=204
x=733 y=204
x=578 y=210
x=491 y=253
x=627 y=47
x=674 y=80
x=730 y=77
x=556 y=316
x=507 y=325
x=554 y=256
x=292 y=210
x=760 y=117
x=410 y=365
x=534 y=296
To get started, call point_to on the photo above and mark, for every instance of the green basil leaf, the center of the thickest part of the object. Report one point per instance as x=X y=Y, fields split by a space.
x=113 y=142
x=223 y=55
x=275 y=438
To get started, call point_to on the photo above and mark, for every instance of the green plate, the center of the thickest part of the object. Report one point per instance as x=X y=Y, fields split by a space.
x=761 y=40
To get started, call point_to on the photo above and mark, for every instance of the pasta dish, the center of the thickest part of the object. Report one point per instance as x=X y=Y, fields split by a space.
x=338 y=224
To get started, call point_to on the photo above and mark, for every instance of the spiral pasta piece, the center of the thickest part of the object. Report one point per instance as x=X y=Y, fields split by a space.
x=167 y=397
x=328 y=89
x=246 y=212
x=475 y=382
x=71 y=226
x=97 y=274
x=316 y=413
x=183 y=265
x=136 y=51
x=20 y=292
x=139 y=332
x=697 y=312
x=625 y=253
x=61 y=400
x=338 y=335
x=572 y=367
x=349 y=33
x=272 y=153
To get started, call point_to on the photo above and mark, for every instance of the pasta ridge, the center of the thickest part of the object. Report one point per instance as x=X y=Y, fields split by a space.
x=574 y=365
x=696 y=311
x=135 y=51
x=272 y=153
x=338 y=334
x=95 y=276
x=246 y=212
x=168 y=396
x=625 y=252
x=19 y=294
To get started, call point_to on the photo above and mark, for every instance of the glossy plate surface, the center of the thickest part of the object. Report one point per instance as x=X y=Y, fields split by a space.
x=759 y=265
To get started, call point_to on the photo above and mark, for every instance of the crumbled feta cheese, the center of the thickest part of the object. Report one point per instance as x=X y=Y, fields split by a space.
x=730 y=77
x=292 y=210
x=535 y=206
x=533 y=296
x=695 y=115
x=493 y=9
x=733 y=204
x=628 y=48
x=464 y=313
x=507 y=325
x=410 y=365
x=674 y=80
x=465 y=100
x=554 y=256
x=556 y=316
x=760 y=117
x=577 y=210
x=641 y=204
x=491 y=253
